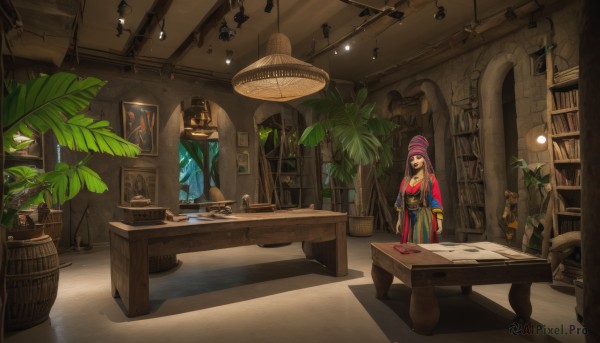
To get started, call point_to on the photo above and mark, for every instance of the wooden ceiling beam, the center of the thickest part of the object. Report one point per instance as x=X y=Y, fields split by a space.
x=196 y=37
x=148 y=25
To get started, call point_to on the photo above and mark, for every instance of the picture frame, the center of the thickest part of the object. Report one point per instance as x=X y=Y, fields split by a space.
x=139 y=181
x=243 y=162
x=140 y=126
x=242 y=139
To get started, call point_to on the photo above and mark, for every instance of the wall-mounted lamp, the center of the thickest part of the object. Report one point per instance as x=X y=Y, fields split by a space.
x=440 y=13
x=228 y=56
x=537 y=138
x=163 y=34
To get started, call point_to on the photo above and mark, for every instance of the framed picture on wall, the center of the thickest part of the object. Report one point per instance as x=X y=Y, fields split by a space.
x=243 y=162
x=139 y=181
x=242 y=139
x=140 y=126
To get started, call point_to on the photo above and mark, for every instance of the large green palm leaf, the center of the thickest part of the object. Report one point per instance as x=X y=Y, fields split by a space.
x=56 y=103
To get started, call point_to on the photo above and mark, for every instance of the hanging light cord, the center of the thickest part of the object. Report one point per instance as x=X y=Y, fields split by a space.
x=278 y=17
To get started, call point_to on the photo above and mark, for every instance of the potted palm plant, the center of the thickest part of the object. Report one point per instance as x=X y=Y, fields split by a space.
x=53 y=103
x=357 y=138
x=539 y=217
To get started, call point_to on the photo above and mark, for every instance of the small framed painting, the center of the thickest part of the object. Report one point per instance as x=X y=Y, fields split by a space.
x=242 y=139
x=243 y=162
x=140 y=126
x=139 y=181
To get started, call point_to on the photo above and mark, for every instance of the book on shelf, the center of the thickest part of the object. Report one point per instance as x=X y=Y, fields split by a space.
x=566 y=75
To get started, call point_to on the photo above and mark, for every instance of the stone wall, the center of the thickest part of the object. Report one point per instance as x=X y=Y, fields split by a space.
x=449 y=82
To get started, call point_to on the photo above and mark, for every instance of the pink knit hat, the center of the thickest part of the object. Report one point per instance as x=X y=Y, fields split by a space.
x=418 y=146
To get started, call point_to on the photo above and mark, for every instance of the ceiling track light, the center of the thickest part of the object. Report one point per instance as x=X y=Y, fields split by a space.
x=124 y=10
x=241 y=16
x=269 y=6
x=441 y=12
x=365 y=13
x=225 y=33
x=326 y=29
x=375 y=53
x=163 y=34
x=228 y=56
x=510 y=14
x=396 y=15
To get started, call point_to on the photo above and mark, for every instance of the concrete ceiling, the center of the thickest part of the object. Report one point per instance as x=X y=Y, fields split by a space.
x=67 y=31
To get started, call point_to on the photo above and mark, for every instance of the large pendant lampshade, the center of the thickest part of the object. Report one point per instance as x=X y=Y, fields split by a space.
x=278 y=76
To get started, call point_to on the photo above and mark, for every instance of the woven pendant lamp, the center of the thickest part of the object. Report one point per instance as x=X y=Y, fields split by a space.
x=278 y=76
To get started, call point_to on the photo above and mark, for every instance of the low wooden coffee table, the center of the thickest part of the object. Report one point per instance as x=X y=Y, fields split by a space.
x=422 y=269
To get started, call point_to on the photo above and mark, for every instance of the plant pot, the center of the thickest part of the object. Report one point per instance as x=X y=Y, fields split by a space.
x=360 y=226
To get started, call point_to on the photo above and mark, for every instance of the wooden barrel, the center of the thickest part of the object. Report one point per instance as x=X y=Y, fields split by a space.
x=157 y=264
x=53 y=226
x=31 y=282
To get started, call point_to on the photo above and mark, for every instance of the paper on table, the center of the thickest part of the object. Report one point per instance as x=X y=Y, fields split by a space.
x=471 y=254
x=487 y=246
x=443 y=246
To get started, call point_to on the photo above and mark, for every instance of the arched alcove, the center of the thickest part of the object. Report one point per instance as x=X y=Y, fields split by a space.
x=202 y=161
x=493 y=139
x=287 y=175
x=433 y=105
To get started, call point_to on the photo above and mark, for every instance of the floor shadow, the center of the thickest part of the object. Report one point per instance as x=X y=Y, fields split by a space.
x=459 y=314
x=192 y=289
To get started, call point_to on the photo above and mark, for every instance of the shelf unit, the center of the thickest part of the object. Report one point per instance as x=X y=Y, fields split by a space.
x=563 y=120
x=469 y=166
x=565 y=162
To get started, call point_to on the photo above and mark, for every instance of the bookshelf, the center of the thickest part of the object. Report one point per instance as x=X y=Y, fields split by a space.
x=469 y=166
x=563 y=118
x=565 y=171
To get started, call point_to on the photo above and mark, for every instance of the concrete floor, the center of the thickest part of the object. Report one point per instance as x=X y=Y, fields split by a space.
x=254 y=294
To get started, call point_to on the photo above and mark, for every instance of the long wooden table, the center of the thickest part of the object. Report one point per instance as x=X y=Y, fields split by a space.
x=323 y=234
x=421 y=270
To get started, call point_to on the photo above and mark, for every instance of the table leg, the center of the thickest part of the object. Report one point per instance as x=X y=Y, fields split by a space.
x=129 y=274
x=424 y=310
x=382 y=280
x=519 y=299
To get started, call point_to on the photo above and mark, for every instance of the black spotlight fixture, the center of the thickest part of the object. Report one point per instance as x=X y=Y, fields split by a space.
x=163 y=34
x=396 y=15
x=375 y=53
x=365 y=12
x=510 y=14
x=124 y=10
x=326 y=29
x=119 y=28
x=241 y=16
x=225 y=33
x=532 y=22
x=269 y=6
x=441 y=12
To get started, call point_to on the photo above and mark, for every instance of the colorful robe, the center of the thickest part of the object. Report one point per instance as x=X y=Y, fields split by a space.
x=418 y=223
